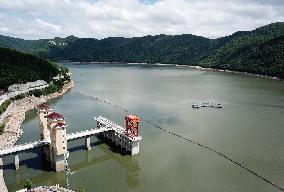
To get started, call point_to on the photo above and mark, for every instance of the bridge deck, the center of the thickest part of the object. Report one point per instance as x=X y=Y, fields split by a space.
x=118 y=129
x=106 y=125
x=81 y=134
x=23 y=147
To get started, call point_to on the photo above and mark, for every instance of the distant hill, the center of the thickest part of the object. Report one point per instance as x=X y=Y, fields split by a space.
x=36 y=47
x=258 y=51
x=18 y=67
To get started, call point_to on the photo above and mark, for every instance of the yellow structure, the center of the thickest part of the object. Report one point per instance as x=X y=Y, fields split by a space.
x=58 y=145
x=42 y=111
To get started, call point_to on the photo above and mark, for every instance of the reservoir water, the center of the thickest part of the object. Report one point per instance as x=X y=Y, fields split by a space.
x=249 y=129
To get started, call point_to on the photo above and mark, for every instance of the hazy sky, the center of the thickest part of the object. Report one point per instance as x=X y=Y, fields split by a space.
x=34 y=19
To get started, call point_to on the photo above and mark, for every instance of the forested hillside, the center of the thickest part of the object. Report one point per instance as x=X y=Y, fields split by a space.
x=18 y=67
x=258 y=51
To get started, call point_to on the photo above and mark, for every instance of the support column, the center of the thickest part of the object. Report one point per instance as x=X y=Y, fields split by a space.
x=121 y=142
x=134 y=147
x=46 y=153
x=88 y=156
x=17 y=162
x=107 y=135
x=1 y=163
x=117 y=139
x=59 y=163
x=88 y=142
x=58 y=146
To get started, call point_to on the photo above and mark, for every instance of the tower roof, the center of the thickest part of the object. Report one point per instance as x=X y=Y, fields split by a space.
x=43 y=106
x=133 y=118
x=55 y=116
x=60 y=125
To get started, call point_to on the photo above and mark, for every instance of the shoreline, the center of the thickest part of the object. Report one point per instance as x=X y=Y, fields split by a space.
x=14 y=118
x=176 y=65
x=236 y=72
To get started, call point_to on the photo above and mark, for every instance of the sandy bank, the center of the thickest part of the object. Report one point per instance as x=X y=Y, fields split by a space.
x=14 y=117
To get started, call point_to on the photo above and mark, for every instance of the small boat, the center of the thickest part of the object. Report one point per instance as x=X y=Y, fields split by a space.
x=219 y=106
x=206 y=104
x=196 y=106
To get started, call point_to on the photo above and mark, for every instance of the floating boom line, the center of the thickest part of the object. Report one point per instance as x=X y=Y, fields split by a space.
x=187 y=139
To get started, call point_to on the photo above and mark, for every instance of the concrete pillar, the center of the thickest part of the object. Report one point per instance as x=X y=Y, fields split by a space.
x=46 y=153
x=88 y=143
x=124 y=142
x=1 y=163
x=116 y=139
x=128 y=148
x=108 y=135
x=121 y=141
x=52 y=164
x=17 y=162
x=88 y=156
x=17 y=177
x=134 y=147
x=57 y=162
x=58 y=146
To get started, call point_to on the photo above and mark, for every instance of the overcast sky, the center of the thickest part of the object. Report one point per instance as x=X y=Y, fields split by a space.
x=34 y=19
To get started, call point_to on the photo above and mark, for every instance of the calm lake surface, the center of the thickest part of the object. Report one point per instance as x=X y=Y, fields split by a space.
x=250 y=130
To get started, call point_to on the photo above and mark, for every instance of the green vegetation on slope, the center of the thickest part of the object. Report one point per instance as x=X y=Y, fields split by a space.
x=4 y=106
x=258 y=51
x=56 y=86
x=18 y=67
x=36 y=47
x=2 y=127
x=181 y=49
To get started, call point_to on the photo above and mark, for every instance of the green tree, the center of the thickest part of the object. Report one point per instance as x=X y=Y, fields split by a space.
x=28 y=184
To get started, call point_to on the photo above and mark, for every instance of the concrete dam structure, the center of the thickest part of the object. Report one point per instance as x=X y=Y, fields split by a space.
x=54 y=138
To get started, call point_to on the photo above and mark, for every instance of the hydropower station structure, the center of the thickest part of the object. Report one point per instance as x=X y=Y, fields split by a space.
x=54 y=138
x=54 y=141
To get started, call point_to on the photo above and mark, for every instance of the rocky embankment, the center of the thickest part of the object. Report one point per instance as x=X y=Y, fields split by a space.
x=14 y=117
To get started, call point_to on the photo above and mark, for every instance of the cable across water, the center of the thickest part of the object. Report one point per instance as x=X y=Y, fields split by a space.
x=186 y=139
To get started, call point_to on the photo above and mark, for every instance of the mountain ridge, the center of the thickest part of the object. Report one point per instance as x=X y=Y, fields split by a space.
x=242 y=51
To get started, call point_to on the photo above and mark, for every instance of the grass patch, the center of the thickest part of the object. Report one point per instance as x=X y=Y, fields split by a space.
x=2 y=127
x=4 y=106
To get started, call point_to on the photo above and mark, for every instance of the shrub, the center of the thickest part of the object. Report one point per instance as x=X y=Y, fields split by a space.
x=4 y=106
x=2 y=127
x=28 y=184
x=18 y=97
